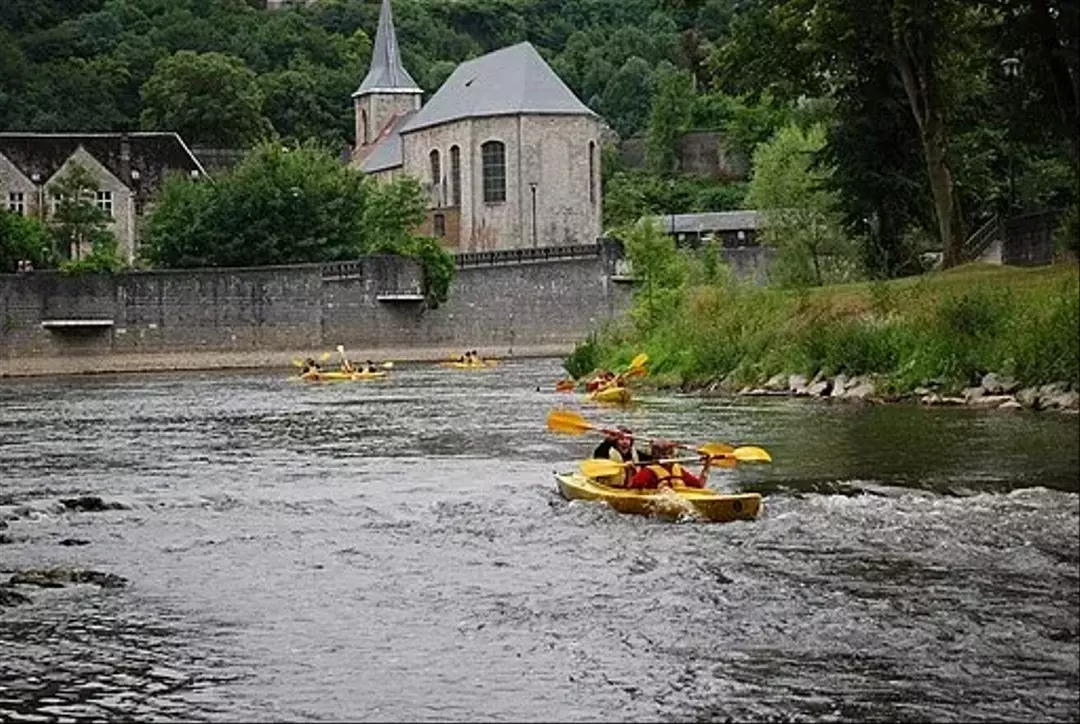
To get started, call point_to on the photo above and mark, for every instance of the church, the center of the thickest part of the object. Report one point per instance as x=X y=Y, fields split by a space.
x=508 y=155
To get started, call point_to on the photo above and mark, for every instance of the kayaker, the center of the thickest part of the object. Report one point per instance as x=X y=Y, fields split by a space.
x=310 y=366
x=660 y=474
x=369 y=366
x=619 y=446
x=346 y=365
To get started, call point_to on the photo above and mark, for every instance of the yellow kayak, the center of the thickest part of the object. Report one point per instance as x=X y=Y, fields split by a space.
x=617 y=394
x=670 y=503
x=339 y=376
x=470 y=365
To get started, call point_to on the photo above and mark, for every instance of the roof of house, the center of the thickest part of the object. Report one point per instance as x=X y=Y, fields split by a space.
x=386 y=74
x=152 y=154
x=507 y=81
x=387 y=152
x=708 y=221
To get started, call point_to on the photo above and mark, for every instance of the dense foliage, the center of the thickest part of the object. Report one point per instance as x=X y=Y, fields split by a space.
x=937 y=113
x=295 y=205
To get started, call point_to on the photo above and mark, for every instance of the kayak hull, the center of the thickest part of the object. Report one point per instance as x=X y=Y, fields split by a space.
x=470 y=365
x=669 y=504
x=618 y=395
x=338 y=376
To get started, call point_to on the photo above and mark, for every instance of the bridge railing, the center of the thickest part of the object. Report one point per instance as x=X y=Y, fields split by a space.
x=529 y=254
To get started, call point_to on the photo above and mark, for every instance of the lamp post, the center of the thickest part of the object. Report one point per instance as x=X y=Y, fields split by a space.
x=1011 y=68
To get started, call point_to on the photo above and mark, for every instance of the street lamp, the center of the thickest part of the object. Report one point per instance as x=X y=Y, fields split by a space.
x=1011 y=68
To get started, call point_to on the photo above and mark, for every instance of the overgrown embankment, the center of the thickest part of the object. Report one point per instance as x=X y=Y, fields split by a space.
x=937 y=333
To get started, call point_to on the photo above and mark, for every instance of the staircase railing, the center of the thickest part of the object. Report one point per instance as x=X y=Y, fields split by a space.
x=981 y=239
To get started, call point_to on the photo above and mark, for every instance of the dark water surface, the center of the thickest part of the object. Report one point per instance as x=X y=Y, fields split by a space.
x=396 y=551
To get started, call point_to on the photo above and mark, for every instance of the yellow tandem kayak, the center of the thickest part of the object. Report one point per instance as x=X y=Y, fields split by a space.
x=669 y=503
x=616 y=394
x=339 y=376
x=471 y=365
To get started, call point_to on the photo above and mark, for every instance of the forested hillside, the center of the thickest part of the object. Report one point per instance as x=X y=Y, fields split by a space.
x=919 y=117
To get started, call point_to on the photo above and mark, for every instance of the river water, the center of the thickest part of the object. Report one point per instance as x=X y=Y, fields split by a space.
x=396 y=550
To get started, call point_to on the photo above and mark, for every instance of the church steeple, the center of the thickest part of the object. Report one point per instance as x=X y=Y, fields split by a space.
x=387 y=90
x=387 y=74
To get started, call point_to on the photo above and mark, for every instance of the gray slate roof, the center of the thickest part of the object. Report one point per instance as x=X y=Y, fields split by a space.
x=387 y=74
x=708 y=221
x=507 y=81
x=387 y=152
x=154 y=154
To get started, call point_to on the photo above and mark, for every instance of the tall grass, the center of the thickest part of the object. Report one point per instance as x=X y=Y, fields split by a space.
x=948 y=327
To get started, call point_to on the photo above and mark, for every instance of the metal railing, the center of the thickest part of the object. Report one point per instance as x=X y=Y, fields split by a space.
x=526 y=255
x=982 y=238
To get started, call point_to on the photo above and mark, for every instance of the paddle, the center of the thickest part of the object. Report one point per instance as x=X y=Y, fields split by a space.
x=572 y=423
x=300 y=363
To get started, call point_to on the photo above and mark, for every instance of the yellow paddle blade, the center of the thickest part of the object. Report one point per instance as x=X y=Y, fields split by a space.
x=388 y=365
x=752 y=454
x=324 y=356
x=298 y=363
x=600 y=468
x=568 y=421
x=716 y=450
x=639 y=361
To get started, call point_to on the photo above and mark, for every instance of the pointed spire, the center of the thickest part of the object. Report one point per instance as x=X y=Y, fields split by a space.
x=387 y=74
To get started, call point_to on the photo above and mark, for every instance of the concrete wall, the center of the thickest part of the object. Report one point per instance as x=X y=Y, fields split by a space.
x=308 y=307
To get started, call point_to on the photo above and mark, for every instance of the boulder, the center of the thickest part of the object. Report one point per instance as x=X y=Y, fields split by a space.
x=821 y=388
x=839 y=384
x=863 y=389
x=1068 y=400
x=57 y=577
x=1028 y=397
x=11 y=597
x=990 y=400
x=797 y=384
x=972 y=393
x=90 y=504
x=1010 y=404
x=777 y=383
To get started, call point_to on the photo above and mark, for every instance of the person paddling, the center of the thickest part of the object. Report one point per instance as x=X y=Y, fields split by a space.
x=619 y=446
x=666 y=474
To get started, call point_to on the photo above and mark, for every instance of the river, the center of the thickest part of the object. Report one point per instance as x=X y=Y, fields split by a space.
x=396 y=550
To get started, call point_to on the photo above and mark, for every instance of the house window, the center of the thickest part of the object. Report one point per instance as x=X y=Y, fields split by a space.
x=364 y=129
x=592 y=172
x=104 y=202
x=16 y=202
x=455 y=176
x=439 y=224
x=493 y=154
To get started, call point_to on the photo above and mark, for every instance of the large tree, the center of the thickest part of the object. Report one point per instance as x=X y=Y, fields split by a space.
x=208 y=98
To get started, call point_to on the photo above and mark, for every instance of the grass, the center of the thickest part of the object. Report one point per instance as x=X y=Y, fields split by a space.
x=949 y=326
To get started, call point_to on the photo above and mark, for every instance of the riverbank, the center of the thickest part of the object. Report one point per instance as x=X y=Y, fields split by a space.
x=981 y=334
x=254 y=359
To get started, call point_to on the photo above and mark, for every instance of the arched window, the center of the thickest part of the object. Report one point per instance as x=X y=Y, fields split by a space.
x=436 y=171
x=455 y=176
x=363 y=124
x=493 y=155
x=592 y=172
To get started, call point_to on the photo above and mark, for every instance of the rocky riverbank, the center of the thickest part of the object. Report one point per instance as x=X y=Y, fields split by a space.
x=992 y=391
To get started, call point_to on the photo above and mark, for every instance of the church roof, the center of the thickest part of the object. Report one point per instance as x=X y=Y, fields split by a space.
x=386 y=74
x=387 y=152
x=507 y=81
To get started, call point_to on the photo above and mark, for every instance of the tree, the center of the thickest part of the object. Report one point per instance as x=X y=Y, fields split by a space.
x=662 y=272
x=208 y=98
x=799 y=211
x=23 y=239
x=669 y=117
x=294 y=205
x=79 y=224
x=623 y=98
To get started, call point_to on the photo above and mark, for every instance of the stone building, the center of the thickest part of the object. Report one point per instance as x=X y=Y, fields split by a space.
x=130 y=169
x=509 y=156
